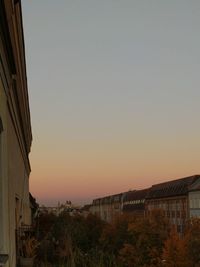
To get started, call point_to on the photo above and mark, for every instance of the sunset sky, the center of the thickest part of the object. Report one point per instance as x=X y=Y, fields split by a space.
x=114 y=95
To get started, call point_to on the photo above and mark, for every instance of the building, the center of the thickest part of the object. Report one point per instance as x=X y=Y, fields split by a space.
x=134 y=202
x=15 y=131
x=60 y=208
x=107 y=208
x=179 y=199
x=85 y=210
x=95 y=207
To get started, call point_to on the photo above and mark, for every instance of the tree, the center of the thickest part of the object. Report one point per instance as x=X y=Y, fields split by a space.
x=175 y=250
x=115 y=234
x=128 y=256
x=148 y=236
x=46 y=222
x=193 y=242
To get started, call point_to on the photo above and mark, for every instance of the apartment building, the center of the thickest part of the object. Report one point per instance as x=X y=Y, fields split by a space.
x=107 y=208
x=15 y=130
x=178 y=199
x=134 y=202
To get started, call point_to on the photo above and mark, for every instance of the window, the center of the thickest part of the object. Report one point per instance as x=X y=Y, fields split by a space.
x=191 y=203
x=178 y=205
x=168 y=214
x=183 y=214
x=173 y=214
x=179 y=228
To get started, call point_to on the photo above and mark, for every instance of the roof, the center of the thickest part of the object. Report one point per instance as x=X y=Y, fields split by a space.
x=172 y=188
x=134 y=200
x=108 y=199
x=136 y=194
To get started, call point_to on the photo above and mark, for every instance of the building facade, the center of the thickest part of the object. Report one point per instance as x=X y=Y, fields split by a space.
x=134 y=202
x=178 y=199
x=109 y=207
x=15 y=130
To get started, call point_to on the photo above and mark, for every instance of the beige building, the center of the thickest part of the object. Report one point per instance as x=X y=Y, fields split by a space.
x=179 y=199
x=108 y=208
x=15 y=130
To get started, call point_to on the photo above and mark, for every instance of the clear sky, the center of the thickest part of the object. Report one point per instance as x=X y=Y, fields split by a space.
x=114 y=95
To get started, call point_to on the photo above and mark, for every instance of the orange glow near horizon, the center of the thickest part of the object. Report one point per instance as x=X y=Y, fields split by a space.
x=84 y=172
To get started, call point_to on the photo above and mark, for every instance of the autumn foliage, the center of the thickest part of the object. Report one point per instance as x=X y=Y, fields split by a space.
x=127 y=241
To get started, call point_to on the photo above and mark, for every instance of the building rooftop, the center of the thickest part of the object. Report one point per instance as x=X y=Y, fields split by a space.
x=134 y=200
x=136 y=194
x=172 y=188
x=108 y=199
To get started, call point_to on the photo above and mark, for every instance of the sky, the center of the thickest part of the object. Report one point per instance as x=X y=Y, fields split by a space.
x=114 y=95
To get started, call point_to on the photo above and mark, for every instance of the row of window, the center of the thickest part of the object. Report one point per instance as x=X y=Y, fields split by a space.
x=168 y=205
x=132 y=202
x=174 y=214
x=195 y=203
